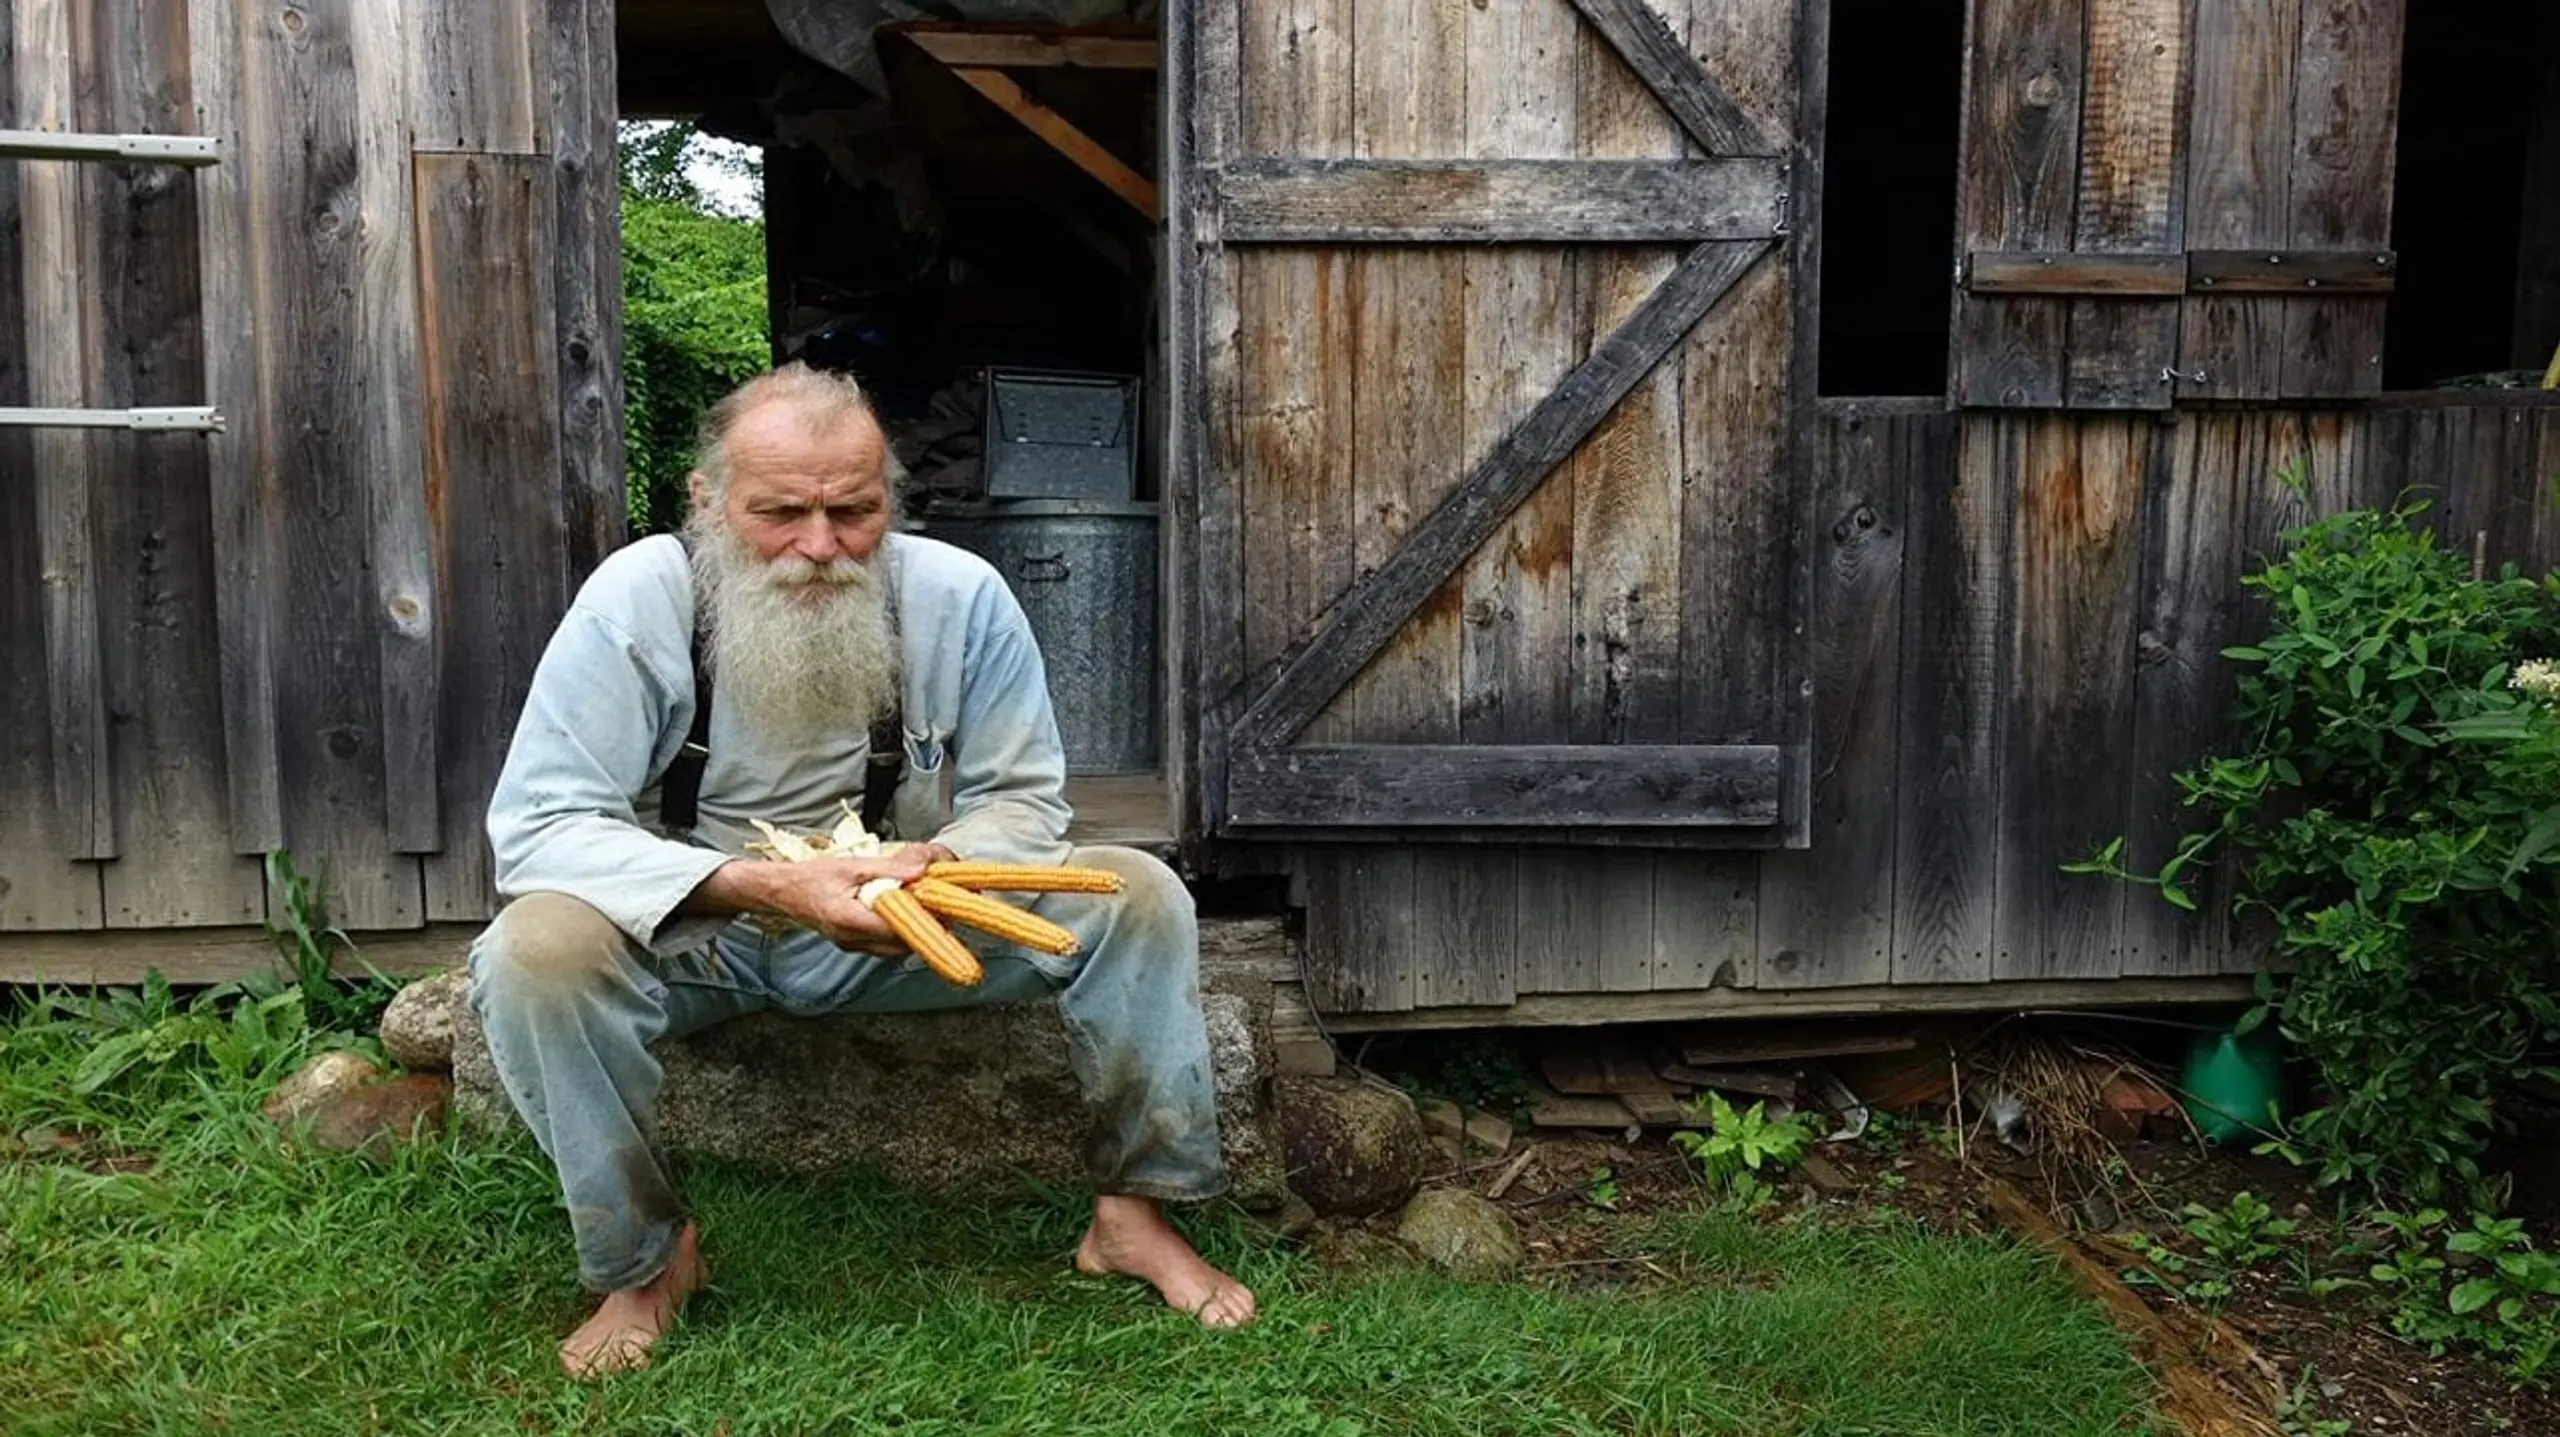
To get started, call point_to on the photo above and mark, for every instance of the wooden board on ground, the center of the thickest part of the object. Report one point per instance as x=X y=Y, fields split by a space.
x=1579 y=1064
x=1660 y=1110
x=1778 y=1042
x=1555 y=1110
x=1760 y=1082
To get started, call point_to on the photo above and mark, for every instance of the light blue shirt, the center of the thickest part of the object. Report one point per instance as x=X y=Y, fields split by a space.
x=576 y=806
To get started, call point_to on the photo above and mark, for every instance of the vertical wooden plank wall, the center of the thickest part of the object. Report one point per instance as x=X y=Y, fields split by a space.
x=42 y=885
x=1739 y=620
x=486 y=316
x=176 y=864
x=309 y=631
x=1622 y=663
x=59 y=269
x=2022 y=97
x=2019 y=628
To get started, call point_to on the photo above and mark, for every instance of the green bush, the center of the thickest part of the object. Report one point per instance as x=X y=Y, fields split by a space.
x=2391 y=806
x=695 y=321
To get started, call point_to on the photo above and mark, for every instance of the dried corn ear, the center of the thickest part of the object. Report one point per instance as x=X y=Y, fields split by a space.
x=925 y=934
x=993 y=915
x=1026 y=877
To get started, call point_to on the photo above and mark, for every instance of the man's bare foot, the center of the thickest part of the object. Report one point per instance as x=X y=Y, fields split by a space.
x=1129 y=1236
x=631 y=1321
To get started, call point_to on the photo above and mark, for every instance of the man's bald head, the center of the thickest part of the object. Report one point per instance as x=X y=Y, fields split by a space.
x=817 y=402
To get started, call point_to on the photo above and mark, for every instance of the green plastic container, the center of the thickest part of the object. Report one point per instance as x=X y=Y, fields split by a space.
x=2233 y=1083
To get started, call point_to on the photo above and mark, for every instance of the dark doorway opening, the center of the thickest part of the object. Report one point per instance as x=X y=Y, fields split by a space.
x=1889 y=195
x=2476 y=196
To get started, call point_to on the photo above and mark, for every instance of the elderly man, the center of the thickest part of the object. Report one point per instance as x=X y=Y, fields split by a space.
x=814 y=624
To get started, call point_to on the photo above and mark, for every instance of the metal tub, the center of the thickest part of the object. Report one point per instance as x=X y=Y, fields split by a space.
x=1085 y=572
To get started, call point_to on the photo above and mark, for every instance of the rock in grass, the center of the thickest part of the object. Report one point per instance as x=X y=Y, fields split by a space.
x=371 y=1118
x=319 y=1080
x=418 y=1027
x=1353 y=1147
x=1461 y=1232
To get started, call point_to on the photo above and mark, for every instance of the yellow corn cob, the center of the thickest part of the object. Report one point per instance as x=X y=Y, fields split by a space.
x=992 y=915
x=925 y=934
x=1026 y=877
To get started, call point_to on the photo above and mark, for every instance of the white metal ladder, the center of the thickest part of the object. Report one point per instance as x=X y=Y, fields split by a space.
x=189 y=151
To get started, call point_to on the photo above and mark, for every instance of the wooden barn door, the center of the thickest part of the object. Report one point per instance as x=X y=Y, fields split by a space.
x=309 y=631
x=1489 y=369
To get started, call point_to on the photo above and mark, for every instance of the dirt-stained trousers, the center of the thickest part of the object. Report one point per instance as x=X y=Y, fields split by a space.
x=571 y=1006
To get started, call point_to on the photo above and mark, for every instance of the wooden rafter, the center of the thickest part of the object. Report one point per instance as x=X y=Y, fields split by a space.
x=979 y=56
x=1035 y=50
x=1086 y=152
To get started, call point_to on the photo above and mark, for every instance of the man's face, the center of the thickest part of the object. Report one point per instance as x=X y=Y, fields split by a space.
x=816 y=494
x=799 y=619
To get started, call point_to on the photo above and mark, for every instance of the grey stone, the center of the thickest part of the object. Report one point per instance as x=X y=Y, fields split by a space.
x=417 y=1029
x=950 y=1100
x=315 y=1083
x=1353 y=1147
x=1461 y=1232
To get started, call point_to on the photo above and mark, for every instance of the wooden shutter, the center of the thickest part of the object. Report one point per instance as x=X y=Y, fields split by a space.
x=2170 y=199
x=1490 y=370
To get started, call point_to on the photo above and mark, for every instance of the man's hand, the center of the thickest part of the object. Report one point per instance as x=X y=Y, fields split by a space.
x=821 y=894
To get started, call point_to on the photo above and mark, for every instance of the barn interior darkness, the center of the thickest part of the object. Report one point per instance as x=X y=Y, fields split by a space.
x=927 y=231
x=2475 y=205
x=1889 y=195
x=2475 y=210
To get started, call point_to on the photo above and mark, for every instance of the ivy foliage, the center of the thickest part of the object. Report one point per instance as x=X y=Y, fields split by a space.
x=2392 y=803
x=695 y=321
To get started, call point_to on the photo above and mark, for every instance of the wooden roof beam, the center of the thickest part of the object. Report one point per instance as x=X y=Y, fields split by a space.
x=1007 y=49
x=1086 y=152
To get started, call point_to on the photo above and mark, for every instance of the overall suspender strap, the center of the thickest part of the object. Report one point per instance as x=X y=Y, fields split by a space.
x=682 y=786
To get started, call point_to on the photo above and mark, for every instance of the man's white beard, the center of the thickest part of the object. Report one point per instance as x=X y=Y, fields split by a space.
x=803 y=650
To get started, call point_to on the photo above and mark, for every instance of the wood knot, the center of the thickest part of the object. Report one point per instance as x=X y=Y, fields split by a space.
x=2149 y=650
x=1857 y=521
x=343 y=742
x=2044 y=91
x=1480 y=613
x=293 y=20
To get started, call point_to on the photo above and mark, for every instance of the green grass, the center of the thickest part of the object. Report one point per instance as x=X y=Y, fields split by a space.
x=239 y=1288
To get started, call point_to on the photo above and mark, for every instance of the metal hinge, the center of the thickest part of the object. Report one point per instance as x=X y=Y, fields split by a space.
x=185 y=151
x=168 y=419
x=188 y=150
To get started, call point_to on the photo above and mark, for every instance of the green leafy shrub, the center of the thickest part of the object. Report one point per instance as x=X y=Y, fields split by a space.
x=2229 y=1240
x=695 y=322
x=2391 y=806
x=2483 y=1287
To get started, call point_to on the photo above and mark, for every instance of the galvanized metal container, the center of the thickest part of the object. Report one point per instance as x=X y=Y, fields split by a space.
x=1061 y=434
x=1085 y=572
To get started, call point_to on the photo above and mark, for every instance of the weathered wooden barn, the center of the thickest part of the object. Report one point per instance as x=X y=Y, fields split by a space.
x=1668 y=507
